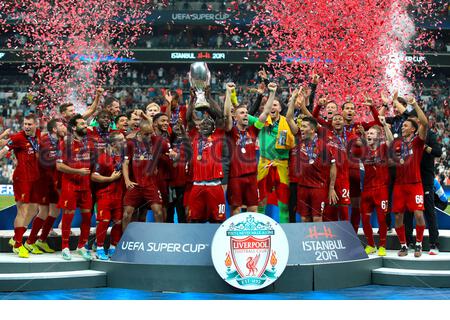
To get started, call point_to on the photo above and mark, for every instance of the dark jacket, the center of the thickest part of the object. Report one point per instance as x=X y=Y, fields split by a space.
x=427 y=163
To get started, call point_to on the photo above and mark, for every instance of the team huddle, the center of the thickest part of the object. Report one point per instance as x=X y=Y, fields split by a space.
x=189 y=160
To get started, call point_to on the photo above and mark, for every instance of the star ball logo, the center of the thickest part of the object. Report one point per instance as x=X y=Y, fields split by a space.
x=250 y=251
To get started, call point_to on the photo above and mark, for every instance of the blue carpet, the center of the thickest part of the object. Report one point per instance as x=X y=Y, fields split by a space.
x=371 y=292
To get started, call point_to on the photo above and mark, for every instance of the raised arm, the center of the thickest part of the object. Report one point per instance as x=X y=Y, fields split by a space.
x=169 y=98
x=227 y=106
x=91 y=110
x=423 y=121
x=387 y=130
x=290 y=112
x=268 y=106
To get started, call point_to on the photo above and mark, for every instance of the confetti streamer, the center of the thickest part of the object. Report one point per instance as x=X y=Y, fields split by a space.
x=72 y=46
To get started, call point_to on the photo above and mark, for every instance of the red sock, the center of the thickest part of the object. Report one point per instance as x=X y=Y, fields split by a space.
x=383 y=229
x=343 y=213
x=355 y=218
x=330 y=213
x=401 y=235
x=18 y=236
x=37 y=225
x=419 y=232
x=116 y=233
x=102 y=229
x=66 y=224
x=85 y=228
x=48 y=224
x=368 y=232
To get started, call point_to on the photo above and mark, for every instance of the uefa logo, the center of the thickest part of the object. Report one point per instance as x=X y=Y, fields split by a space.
x=250 y=251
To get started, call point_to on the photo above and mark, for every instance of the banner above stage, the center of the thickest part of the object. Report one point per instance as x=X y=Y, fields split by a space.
x=190 y=244
x=216 y=56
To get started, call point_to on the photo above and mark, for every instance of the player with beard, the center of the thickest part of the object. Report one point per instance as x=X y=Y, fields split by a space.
x=331 y=108
x=243 y=183
x=140 y=173
x=99 y=135
x=275 y=139
x=180 y=180
x=67 y=110
x=376 y=180
x=315 y=168
x=75 y=162
x=350 y=126
x=48 y=189
x=112 y=107
x=207 y=198
x=338 y=141
x=25 y=145
x=109 y=191
x=160 y=127
x=408 y=190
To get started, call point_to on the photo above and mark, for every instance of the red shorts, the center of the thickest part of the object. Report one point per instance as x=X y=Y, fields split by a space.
x=207 y=203
x=355 y=182
x=311 y=201
x=342 y=189
x=375 y=199
x=271 y=183
x=142 y=196
x=26 y=192
x=407 y=197
x=243 y=191
x=109 y=209
x=47 y=192
x=70 y=199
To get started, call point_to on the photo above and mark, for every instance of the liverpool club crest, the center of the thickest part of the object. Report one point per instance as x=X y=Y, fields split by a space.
x=250 y=251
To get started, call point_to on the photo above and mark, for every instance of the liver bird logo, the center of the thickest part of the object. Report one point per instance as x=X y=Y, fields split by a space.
x=251 y=265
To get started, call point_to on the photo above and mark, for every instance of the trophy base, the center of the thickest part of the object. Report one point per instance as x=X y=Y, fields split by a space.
x=201 y=106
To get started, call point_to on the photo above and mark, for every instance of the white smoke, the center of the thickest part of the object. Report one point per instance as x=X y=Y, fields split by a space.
x=402 y=30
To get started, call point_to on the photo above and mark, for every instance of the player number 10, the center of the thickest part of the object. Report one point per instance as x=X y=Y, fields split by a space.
x=221 y=208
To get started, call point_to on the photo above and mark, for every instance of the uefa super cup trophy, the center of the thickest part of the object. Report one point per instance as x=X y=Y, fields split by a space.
x=199 y=78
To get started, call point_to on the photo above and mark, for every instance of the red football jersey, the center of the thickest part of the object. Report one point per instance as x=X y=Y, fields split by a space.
x=48 y=154
x=164 y=166
x=178 y=113
x=207 y=156
x=26 y=150
x=99 y=138
x=376 y=167
x=243 y=151
x=408 y=157
x=313 y=163
x=339 y=144
x=105 y=166
x=144 y=159
x=76 y=154
x=179 y=170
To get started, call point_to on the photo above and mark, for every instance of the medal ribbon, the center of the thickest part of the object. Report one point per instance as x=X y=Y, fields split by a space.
x=310 y=148
x=243 y=138
x=34 y=143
